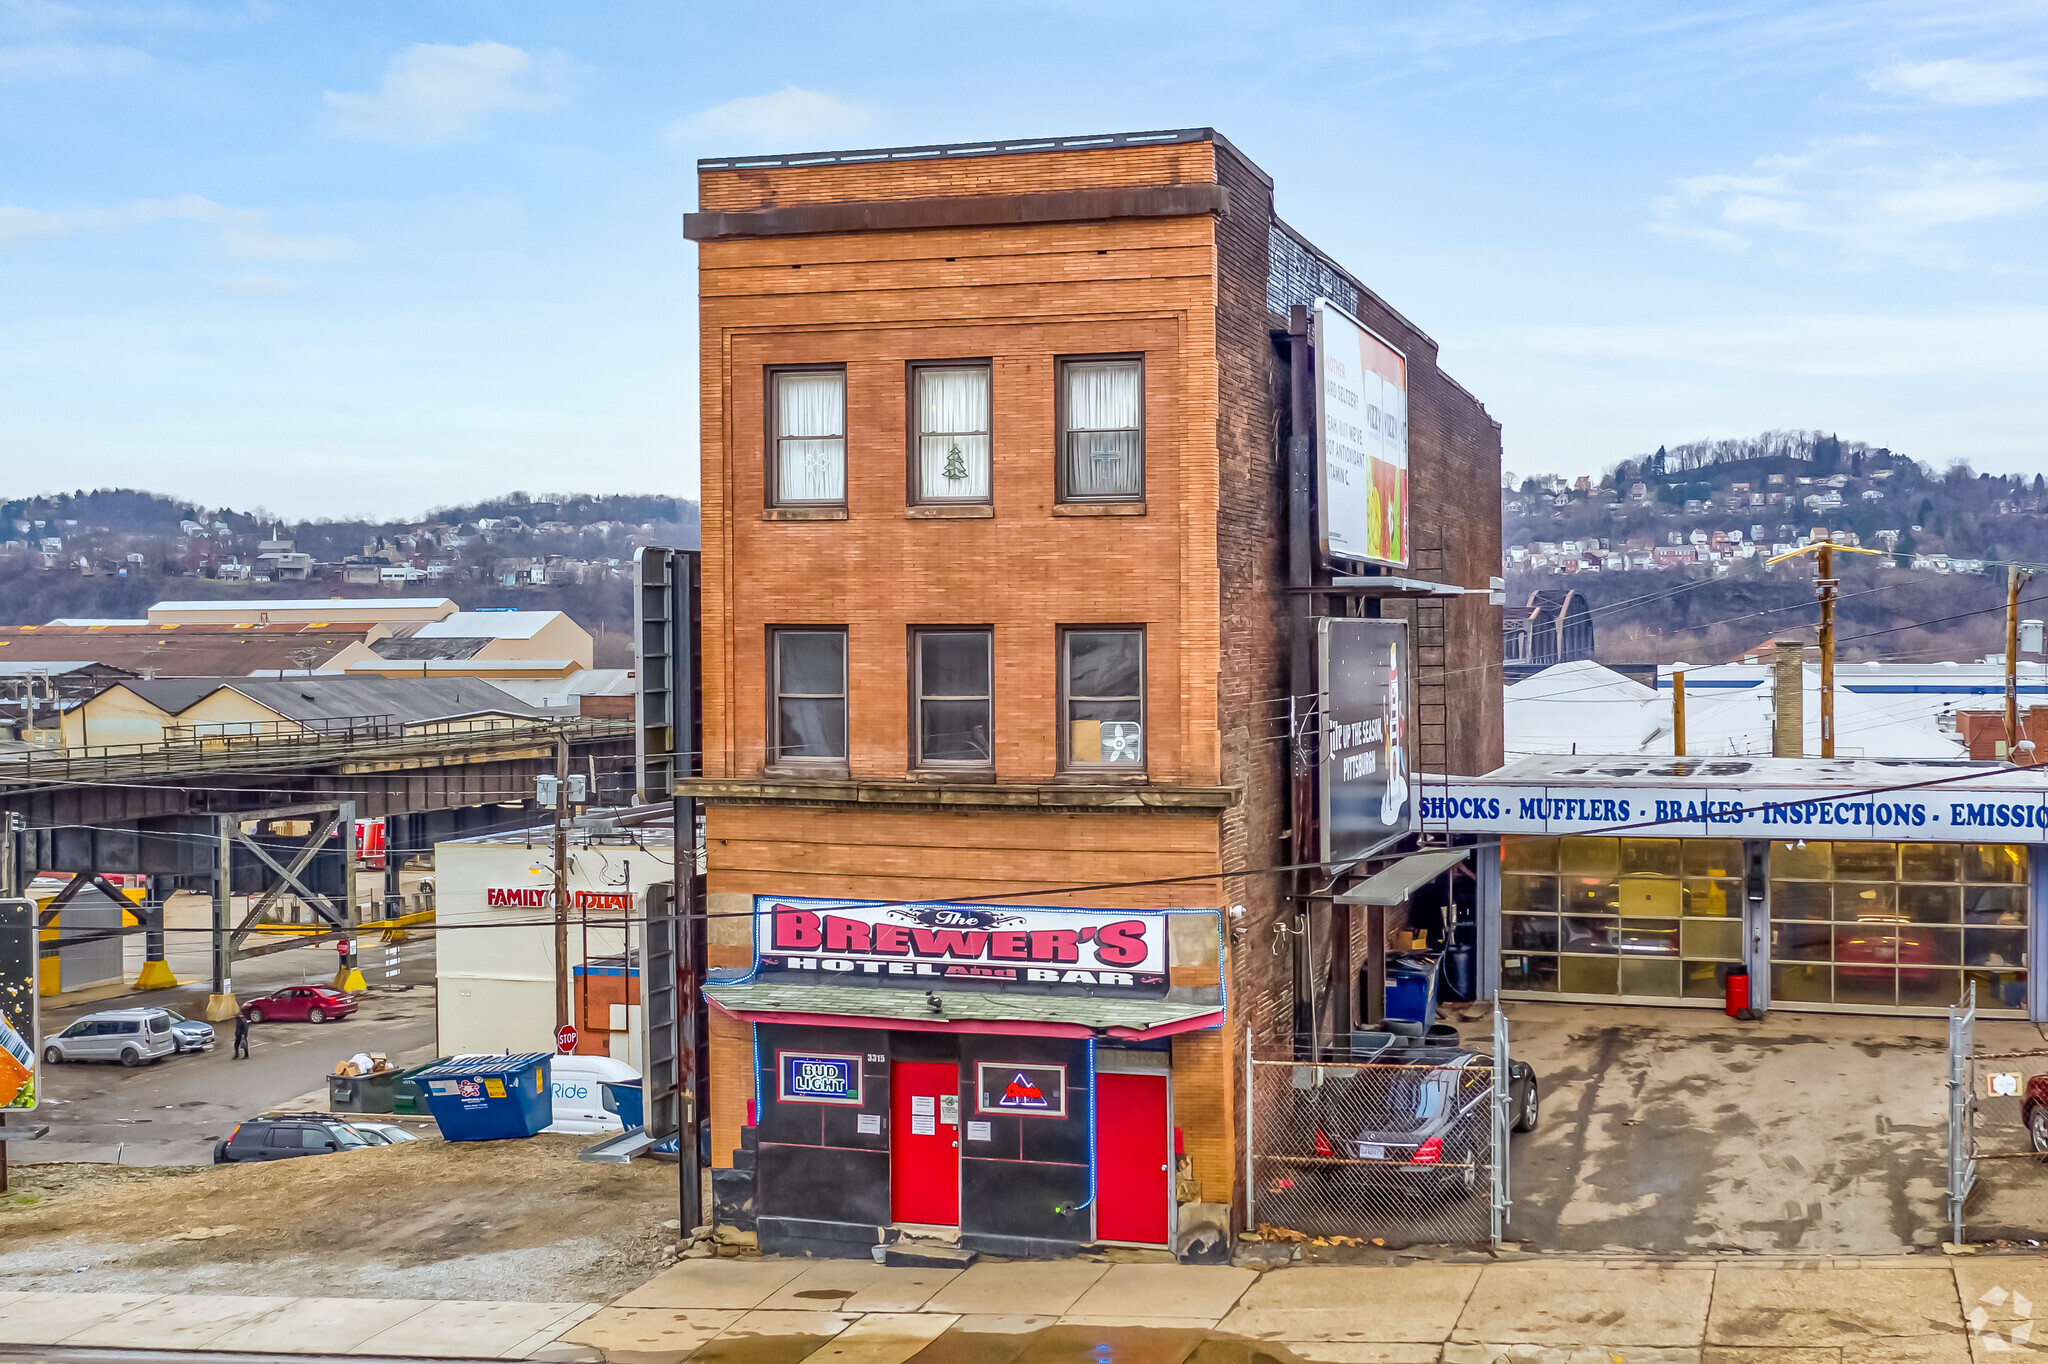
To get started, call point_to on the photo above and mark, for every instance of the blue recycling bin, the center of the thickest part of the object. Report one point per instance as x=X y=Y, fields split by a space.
x=488 y=1098
x=623 y=1097
x=1411 y=987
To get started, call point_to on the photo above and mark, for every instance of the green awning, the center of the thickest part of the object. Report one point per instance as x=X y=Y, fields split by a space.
x=1392 y=885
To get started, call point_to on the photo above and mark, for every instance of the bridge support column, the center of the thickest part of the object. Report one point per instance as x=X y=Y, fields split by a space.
x=220 y=1005
x=156 y=971
x=349 y=976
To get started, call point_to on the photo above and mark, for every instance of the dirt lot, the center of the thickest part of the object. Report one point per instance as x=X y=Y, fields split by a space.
x=504 y=1220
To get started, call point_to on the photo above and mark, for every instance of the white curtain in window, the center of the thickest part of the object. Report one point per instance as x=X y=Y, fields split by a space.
x=1105 y=442
x=952 y=426
x=810 y=437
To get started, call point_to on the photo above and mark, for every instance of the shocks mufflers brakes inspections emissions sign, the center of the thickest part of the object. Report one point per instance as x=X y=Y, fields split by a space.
x=976 y=947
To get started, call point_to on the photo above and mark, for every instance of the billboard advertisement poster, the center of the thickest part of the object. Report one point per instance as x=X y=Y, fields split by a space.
x=1361 y=441
x=17 y=1005
x=975 y=947
x=1368 y=783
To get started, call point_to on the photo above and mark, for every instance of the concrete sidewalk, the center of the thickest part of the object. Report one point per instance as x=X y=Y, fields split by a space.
x=1909 y=1310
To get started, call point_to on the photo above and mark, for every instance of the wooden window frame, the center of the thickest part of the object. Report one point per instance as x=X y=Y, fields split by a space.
x=775 y=760
x=1061 y=495
x=771 y=451
x=1064 y=720
x=913 y=430
x=918 y=760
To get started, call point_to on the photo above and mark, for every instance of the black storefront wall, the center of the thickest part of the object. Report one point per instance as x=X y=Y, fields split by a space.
x=823 y=1184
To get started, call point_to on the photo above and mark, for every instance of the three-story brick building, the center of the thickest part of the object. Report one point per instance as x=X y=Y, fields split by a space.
x=994 y=672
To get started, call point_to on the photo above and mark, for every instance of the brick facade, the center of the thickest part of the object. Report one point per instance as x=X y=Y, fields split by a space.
x=1200 y=564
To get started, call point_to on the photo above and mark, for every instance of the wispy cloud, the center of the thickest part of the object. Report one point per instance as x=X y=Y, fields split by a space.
x=69 y=61
x=261 y=286
x=436 y=92
x=770 y=122
x=1963 y=80
x=1861 y=345
x=1861 y=195
x=243 y=235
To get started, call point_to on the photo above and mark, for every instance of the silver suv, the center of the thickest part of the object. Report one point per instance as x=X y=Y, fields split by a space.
x=134 y=1037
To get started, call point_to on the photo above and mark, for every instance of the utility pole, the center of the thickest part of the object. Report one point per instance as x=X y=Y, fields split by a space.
x=2014 y=576
x=1824 y=586
x=1677 y=714
x=561 y=879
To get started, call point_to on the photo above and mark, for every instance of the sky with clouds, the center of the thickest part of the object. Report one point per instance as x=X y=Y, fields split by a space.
x=343 y=259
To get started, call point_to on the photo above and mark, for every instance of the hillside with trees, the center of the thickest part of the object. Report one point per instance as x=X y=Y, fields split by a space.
x=1671 y=547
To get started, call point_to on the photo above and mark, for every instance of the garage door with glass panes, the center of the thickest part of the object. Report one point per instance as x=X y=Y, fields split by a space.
x=1898 y=925
x=1853 y=926
x=1657 y=919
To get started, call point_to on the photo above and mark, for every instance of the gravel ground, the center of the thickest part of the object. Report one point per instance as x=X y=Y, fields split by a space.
x=508 y=1220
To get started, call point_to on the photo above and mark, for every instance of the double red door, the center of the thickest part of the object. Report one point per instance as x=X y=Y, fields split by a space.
x=1133 y=1159
x=924 y=1142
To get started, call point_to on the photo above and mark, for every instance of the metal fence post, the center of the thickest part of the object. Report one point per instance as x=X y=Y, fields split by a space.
x=1251 y=1220
x=1502 y=1118
x=1962 y=1165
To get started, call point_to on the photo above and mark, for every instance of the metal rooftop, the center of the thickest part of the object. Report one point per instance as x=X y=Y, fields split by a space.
x=958 y=151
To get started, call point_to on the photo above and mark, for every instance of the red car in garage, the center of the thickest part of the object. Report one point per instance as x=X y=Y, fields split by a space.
x=300 y=1004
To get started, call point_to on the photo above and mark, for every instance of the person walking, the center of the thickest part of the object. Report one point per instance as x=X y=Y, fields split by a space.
x=241 y=1037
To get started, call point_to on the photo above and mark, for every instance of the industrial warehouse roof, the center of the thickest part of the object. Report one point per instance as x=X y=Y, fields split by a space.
x=184 y=650
x=488 y=625
x=431 y=647
x=1063 y=1012
x=405 y=701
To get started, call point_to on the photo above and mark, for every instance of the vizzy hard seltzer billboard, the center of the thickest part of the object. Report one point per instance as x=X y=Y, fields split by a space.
x=1361 y=441
x=1367 y=787
x=17 y=1005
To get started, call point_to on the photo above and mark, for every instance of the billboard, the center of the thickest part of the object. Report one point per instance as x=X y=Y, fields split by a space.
x=1368 y=787
x=17 y=1005
x=1361 y=441
x=976 y=947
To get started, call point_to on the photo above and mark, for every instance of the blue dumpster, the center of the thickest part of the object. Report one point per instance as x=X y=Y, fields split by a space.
x=487 y=1098
x=1411 y=987
x=623 y=1097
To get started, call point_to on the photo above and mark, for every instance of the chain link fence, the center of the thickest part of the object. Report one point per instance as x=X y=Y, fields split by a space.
x=1407 y=1146
x=1997 y=1129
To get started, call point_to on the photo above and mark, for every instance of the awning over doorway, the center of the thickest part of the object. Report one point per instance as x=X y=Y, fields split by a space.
x=1393 y=884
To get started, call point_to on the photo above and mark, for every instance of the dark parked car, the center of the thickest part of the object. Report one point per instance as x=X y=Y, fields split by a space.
x=299 y=1004
x=284 y=1138
x=1416 y=1125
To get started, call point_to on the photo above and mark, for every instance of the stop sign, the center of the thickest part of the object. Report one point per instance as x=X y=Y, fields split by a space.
x=565 y=1038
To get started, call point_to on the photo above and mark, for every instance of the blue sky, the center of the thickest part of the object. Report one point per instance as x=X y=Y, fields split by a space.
x=370 y=258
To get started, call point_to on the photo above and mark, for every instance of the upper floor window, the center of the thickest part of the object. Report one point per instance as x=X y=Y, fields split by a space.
x=1102 y=692
x=1102 y=430
x=954 y=698
x=807 y=424
x=950 y=444
x=810 y=696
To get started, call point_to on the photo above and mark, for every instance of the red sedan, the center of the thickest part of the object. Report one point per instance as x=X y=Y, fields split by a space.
x=300 y=1004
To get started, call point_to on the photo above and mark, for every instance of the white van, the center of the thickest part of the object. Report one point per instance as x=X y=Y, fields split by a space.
x=134 y=1037
x=578 y=1083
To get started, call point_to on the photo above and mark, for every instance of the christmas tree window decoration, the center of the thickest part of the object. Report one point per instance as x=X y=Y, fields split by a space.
x=956 y=465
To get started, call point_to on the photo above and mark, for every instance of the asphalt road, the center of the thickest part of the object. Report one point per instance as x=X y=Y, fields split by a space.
x=172 y=1112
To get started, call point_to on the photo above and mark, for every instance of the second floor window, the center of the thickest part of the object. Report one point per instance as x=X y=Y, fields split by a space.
x=1102 y=431
x=810 y=697
x=954 y=705
x=808 y=421
x=952 y=435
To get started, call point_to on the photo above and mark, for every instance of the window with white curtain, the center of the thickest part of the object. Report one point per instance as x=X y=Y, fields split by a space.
x=952 y=438
x=809 y=422
x=1102 y=441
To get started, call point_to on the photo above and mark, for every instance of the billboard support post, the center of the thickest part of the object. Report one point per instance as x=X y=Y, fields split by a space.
x=1301 y=662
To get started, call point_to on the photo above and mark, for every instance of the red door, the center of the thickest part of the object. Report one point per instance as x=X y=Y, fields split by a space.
x=924 y=1142
x=1132 y=1163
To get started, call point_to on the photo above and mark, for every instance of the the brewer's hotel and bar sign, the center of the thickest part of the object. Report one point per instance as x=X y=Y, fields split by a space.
x=1856 y=885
